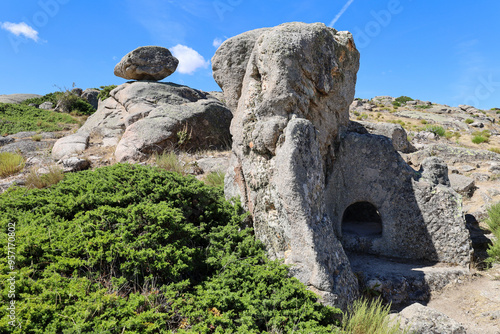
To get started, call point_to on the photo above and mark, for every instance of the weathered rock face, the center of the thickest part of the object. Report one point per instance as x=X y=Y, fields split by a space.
x=147 y=63
x=293 y=101
x=416 y=214
x=141 y=118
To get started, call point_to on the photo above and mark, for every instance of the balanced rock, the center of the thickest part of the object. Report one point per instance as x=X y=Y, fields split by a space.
x=152 y=63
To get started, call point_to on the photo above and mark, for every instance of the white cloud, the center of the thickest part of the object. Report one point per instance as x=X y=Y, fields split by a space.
x=189 y=60
x=217 y=42
x=21 y=29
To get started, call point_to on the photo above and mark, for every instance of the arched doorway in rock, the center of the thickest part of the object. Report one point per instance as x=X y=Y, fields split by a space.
x=362 y=219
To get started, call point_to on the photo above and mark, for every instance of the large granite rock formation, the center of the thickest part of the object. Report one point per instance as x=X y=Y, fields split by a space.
x=293 y=101
x=147 y=63
x=141 y=118
x=312 y=185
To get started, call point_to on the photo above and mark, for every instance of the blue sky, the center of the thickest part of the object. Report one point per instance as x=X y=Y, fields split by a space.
x=442 y=51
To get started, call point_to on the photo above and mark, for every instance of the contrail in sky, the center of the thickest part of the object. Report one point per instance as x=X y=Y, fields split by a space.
x=342 y=11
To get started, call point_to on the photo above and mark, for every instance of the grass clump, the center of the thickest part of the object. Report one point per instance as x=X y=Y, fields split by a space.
x=469 y=121
x=10 y=163
x=38 y=180
x=435 y=129
x=15 y=118
x=170 y=161
x=423 y=106
x=494 y=225
x=495 y=150
x=136 y=249
x=37 y=137
x=215 y=179
x=365 y=317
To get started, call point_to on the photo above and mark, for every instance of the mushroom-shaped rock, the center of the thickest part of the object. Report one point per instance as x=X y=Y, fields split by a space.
x=147 y=63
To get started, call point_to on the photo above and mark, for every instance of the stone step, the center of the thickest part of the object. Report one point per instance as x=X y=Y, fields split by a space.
x=402 y=282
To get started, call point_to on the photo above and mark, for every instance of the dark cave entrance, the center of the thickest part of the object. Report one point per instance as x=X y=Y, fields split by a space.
x=362 y=219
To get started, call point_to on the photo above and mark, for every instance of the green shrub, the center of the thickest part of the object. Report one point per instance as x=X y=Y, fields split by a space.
x=396 y=104
x=135 y=249
x=16 y=118
x=423 y=121
x=104 y=91
x=51 y=97
x=67 y=101
x=436 y=129
x=215 y=179
x=403 y=99
x=480 y=136
x=469 y=121
x=10 y=163
x=423 y=106
x=478 y=139
x=494 y=224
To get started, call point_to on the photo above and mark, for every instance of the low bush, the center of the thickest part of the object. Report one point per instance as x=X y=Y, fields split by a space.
x=10 y=163
x=423 y=106
x=135 y=249
x=469 y=121
x=403 y=99
x=15 y=118
x=104 y=91
x=396 y=104
x=67 y=101
x=436 y=129
x=479 y=137
x=494 y=225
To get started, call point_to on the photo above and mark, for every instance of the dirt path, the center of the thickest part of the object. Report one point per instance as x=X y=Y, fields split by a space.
x=474 y=303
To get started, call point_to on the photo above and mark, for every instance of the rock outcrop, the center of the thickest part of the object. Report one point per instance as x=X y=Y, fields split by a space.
x=314 y=185
x=294 y=84
x=141 y=118
x=147 y=63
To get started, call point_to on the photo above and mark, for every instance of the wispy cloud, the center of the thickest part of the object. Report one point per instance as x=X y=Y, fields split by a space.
x=21 y=29
x=342 y=11
x=217 y=42
x=189 y=59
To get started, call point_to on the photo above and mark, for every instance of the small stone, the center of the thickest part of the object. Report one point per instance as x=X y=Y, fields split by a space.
x=46 y=105
x=75 y=164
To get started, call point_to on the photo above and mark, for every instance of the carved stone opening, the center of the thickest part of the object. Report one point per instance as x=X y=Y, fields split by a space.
x=362 y=219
